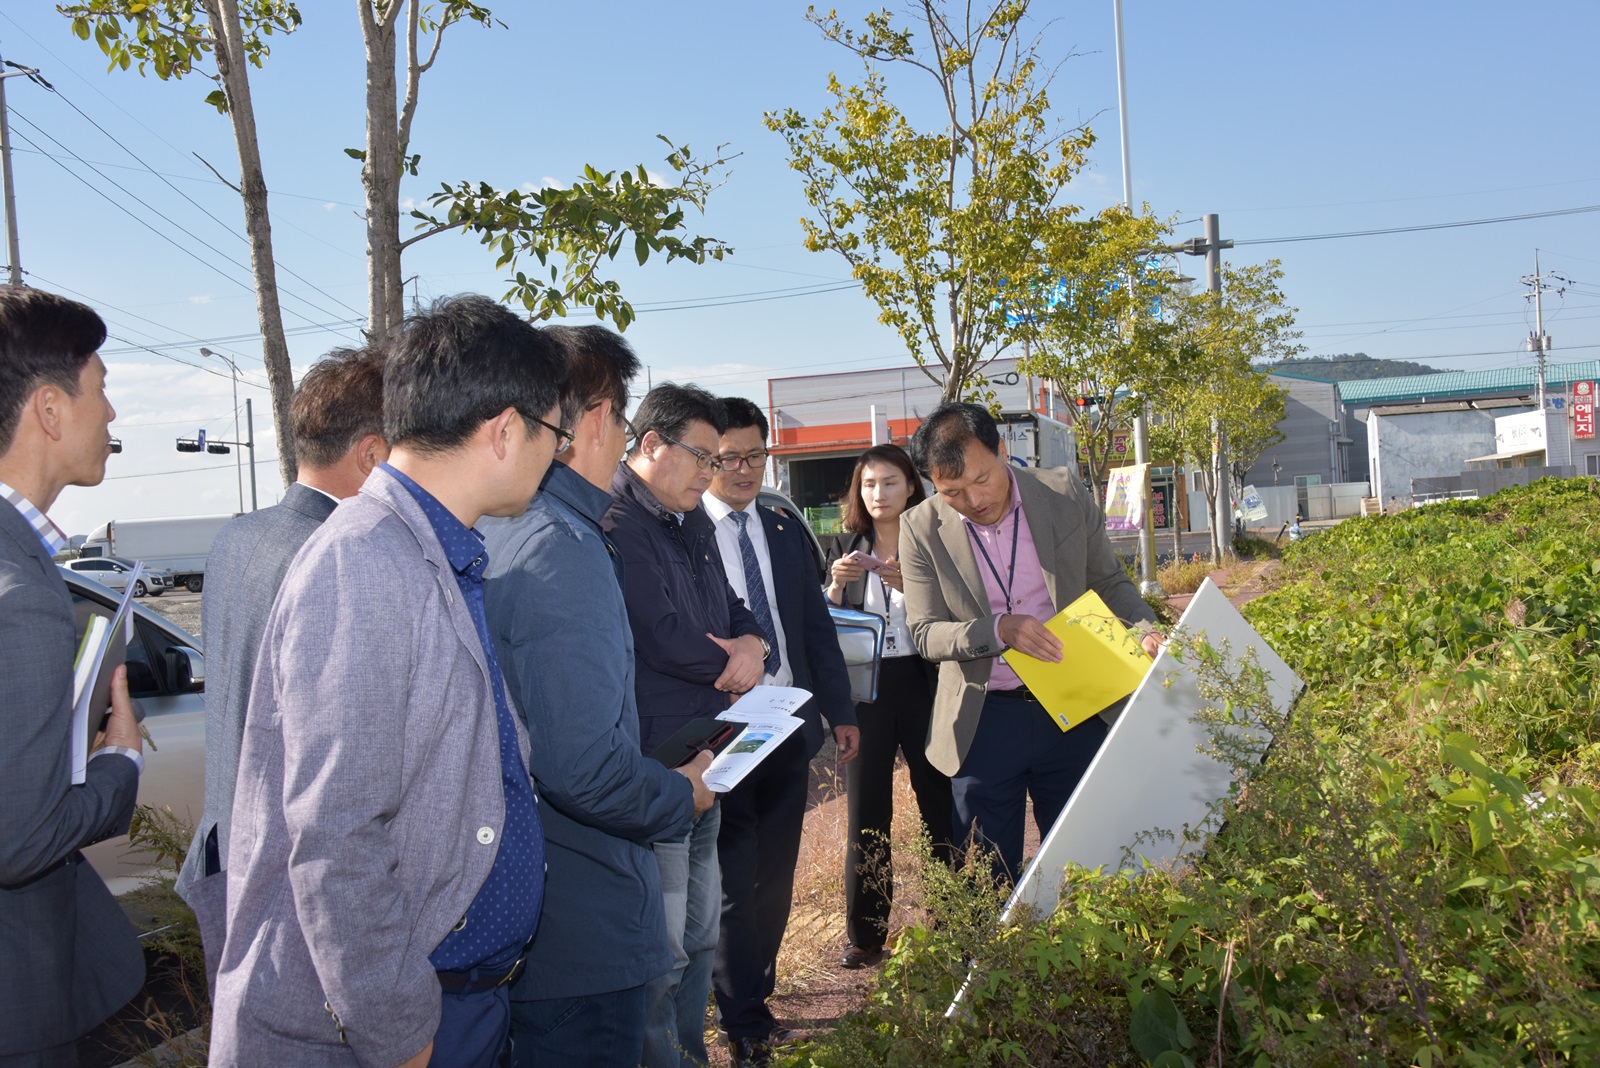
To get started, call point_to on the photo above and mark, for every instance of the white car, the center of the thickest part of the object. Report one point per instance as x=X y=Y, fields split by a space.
x=166 y=679
x=113 y=572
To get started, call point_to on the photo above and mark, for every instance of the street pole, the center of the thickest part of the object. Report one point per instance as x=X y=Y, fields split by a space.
x=1224 y=513
x=1141 y=415
x=13 y=247
x=250 y=443
x=238 y=469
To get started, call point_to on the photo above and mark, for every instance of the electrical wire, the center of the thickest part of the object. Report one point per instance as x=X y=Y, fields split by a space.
x=226 y=226
x=248 y=287
x=185 y=470
x=1238 y=242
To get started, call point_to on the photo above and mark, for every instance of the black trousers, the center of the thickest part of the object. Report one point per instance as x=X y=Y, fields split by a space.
x=758 y=848
x=896 y=722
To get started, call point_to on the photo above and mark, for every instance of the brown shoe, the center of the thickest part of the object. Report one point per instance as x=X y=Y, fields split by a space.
x=861 y=957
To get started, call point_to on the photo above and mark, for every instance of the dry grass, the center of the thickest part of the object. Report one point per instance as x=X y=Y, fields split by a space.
x=816 y=934
x=1183 y=576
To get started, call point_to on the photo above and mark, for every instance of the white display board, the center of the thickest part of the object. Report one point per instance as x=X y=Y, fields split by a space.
x=1151 y=773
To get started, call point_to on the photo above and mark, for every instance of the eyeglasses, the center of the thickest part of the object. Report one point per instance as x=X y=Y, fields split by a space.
x=701 y=460
x=754 y=461
x=563 y=437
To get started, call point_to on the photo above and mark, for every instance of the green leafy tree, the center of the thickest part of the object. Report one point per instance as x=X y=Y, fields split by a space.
x=574 y=231
x=1097 y=335
x=939 y=225
x=220 y=39
x=1217 y=338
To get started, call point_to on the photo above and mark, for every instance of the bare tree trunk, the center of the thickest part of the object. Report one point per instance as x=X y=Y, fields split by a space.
x=231 y=65
x=380 y=175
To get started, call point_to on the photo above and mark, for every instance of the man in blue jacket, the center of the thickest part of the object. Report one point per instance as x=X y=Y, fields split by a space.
x=555 y=607
x=695 y=647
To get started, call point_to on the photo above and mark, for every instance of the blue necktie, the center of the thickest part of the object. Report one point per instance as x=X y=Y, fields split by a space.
x=756 y=590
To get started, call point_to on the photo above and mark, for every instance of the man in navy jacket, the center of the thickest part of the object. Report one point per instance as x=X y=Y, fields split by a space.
x=555 y=607
x=771 y=567
x=695 y=647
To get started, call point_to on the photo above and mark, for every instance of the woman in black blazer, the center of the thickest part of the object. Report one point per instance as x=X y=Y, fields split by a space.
x=883 y=486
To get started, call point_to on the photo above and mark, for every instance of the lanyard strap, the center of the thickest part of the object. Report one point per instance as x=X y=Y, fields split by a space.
x=1006 y=583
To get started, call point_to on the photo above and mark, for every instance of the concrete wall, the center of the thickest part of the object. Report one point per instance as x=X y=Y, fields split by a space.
x=1404 y=446
x=1310 y=426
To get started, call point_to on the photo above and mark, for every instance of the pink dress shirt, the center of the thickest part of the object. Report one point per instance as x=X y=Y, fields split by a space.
x=1028 y=594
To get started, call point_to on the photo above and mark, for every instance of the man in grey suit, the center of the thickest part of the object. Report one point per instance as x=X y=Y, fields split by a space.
x=991 y=556
x=68 y=958
x=386 y=859
x=336 y=420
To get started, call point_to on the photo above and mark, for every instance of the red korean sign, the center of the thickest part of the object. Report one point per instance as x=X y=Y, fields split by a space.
x=1583 y=409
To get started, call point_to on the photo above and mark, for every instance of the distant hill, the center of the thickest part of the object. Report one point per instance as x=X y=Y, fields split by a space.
x=1350 y=367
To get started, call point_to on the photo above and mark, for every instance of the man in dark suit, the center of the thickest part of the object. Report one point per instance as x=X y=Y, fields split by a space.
x=770 y=566
x=336 y=420
x=987 y=560
x=68 y=957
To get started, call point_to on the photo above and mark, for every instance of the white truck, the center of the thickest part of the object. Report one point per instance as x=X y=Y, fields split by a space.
x=178 y=543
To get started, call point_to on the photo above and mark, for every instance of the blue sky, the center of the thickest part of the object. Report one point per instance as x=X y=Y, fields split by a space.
x=1287 y=119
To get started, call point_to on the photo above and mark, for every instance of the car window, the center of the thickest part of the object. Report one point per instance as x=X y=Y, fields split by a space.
x=142 y=678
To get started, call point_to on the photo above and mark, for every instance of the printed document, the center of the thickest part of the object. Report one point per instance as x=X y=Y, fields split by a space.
x=766 y=713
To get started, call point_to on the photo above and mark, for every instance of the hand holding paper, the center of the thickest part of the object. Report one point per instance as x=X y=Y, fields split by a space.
x=1098 y=663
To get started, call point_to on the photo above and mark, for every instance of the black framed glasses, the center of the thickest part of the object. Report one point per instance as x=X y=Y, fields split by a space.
x=563 y=436
x=751 y=461
x=702 y=460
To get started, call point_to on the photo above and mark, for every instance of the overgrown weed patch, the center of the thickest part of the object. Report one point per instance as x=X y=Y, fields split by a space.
x=1412 y=878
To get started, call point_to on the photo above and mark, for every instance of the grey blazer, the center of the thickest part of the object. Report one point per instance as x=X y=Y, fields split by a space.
x=369 y=805
x=947 y=605
x=68 y=958
x=243 y=573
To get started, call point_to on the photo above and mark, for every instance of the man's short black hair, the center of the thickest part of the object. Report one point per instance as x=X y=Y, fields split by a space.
x=461 y=363
x=338 y=402
x=600 y=364
x=743 y=412
x=670 y=408
x=940 y=444
x=45 y=339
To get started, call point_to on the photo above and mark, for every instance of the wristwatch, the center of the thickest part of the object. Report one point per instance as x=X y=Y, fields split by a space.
x=766 y=646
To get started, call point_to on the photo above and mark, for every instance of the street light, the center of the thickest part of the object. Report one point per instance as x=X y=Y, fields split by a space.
x=238 y=469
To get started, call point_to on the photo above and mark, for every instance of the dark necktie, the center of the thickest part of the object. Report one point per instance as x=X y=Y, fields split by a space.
x=756 y=590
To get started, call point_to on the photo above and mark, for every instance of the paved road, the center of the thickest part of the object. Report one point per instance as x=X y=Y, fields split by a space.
x=182 y=607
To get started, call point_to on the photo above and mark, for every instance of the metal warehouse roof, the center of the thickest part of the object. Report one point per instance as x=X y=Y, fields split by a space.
x=1447 y=384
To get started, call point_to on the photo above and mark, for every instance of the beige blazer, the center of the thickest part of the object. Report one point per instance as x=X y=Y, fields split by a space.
x=947 y=605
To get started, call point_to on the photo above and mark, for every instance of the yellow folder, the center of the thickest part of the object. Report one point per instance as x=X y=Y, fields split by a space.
x=1101 y=663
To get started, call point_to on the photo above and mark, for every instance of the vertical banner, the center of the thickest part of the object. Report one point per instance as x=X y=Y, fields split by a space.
x=1125 y=497
x=1583 y=409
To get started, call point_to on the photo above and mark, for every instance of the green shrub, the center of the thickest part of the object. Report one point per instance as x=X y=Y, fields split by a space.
x=1413 y=877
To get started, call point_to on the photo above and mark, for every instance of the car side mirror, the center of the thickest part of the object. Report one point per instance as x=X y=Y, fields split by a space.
x=186 y=669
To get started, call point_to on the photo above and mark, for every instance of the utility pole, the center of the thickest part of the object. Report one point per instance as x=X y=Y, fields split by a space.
x=13 y=248
x=1539 y=341
x=1211 y=247
x=250 y=443
x=238 y=474
x=1141 y=415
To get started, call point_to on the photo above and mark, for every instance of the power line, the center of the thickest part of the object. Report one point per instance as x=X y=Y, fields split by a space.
x=145 y=223
x=226 y=226
x=807 y=291
x=136 y=346
x=184 y=470
x=1418 y=227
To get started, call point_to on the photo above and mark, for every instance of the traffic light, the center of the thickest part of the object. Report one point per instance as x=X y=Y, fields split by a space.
x=188 y=445
x=218 y=448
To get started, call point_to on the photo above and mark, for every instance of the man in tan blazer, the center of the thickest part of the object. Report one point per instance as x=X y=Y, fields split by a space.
x=993 y=554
